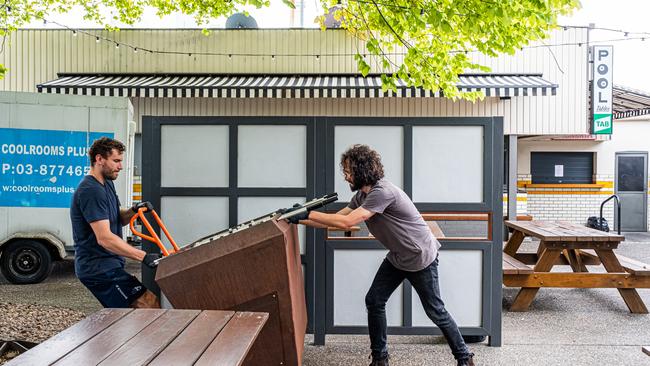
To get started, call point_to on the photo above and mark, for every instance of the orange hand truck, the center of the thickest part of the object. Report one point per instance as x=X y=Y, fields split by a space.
x=154 y=238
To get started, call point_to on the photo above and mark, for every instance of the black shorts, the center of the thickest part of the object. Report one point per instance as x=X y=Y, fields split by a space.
x=115 y=288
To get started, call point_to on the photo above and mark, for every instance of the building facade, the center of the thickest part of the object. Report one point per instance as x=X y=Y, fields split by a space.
x=241 y=122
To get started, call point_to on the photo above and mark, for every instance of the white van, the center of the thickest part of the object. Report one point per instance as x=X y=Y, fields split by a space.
x=43 y=155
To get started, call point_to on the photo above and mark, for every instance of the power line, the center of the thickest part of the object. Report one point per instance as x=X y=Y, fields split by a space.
x=99 y=38
x=624 y=32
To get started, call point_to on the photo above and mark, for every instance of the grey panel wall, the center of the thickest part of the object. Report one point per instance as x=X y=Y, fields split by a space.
x=467 y=157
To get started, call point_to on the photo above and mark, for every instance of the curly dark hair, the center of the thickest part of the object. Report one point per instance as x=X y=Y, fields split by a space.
x=103 y=146
x=365 y=165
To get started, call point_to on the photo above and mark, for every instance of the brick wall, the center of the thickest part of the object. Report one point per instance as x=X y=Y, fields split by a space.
x=561 y=204
x=567 y=204
x=568 y=207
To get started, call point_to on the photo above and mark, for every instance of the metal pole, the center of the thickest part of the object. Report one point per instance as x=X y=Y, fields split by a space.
x=512 y=177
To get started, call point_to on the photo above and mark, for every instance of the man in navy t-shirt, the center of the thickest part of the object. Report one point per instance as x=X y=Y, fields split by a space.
x=97 y=222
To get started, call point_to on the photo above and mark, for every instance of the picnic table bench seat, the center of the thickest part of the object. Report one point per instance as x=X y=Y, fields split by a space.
x=513 y=266
x=630 y=265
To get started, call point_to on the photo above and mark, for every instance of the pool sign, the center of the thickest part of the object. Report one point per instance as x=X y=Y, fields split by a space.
x=601 y=97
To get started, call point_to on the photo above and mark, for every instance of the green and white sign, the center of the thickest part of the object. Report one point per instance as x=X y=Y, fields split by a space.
x=601 y=97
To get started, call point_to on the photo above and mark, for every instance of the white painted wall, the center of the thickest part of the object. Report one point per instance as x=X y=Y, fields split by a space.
x=627 y=136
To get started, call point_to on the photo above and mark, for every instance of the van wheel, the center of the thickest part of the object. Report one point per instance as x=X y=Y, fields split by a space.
x=25 y=261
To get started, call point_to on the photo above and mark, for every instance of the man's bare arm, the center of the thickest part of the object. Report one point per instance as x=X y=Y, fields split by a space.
x=312 y=223
x=343 y=221
x=125 y=215
x=114 y=243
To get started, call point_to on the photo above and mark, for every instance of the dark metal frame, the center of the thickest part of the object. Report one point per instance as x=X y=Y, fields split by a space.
x=318 y=257
x=491 y=249
x=153 y=191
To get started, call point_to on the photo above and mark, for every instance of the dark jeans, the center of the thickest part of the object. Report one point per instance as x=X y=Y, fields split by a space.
x=425 y=283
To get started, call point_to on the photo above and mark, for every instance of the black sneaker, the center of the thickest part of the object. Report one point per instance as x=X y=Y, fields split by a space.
x=467 y=361
x=378 y=361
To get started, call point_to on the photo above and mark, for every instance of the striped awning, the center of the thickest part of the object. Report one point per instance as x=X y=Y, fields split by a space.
x=628 y=102
x=281 y=86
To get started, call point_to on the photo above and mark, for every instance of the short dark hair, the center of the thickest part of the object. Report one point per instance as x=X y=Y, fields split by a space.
x=365 y=164
x=104 y=146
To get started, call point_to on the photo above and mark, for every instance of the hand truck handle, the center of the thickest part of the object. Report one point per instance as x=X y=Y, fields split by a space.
x=154 y=238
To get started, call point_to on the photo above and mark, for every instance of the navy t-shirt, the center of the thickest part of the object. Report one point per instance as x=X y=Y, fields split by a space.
x=93 y=201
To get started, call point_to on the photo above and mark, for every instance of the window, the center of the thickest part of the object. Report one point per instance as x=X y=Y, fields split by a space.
x=562 y=167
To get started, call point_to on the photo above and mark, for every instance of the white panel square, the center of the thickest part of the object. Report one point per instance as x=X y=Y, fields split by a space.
x=460 y=274
x=252 y=207
x=354 y=271
x=448 y=164
x=388 y=141
x=191 y=218
x=272 y=156
x=194 y=156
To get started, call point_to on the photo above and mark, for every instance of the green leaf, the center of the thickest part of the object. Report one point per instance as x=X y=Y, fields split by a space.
x=289 y=3
x=425 y=35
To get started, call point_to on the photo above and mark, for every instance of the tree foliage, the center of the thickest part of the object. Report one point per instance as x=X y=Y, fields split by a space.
x=423 y=42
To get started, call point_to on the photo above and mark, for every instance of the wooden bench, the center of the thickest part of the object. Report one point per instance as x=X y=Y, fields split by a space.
x=630 y=265
x=151 y=337
x=513 y=266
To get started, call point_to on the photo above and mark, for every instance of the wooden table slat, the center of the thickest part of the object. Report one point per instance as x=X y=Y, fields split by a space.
x=584 y=233
x=525 y=228
x=575 y=232
x=557 y=232
x=62 y=343
x=144 y=347
x=547 y=232
x=551 y=231
x=592 y=233
x=562 y=231
x=234 y=341
x=110 y=339
x=194 y=340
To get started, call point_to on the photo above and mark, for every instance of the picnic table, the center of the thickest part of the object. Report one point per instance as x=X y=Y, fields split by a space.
x=564 y=243
x=151 y=337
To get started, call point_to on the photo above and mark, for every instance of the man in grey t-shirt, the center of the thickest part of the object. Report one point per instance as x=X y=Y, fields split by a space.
x=394 y=220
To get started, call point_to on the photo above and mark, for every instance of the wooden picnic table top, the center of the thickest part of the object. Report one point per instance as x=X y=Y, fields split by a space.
x=151 y=337
x=549 y=231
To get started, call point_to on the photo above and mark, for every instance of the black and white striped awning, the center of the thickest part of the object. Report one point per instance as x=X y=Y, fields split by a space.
x=281 y=86
x=628 y=102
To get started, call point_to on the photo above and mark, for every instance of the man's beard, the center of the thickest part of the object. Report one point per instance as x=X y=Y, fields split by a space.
x=354 y=187
x=109 y=174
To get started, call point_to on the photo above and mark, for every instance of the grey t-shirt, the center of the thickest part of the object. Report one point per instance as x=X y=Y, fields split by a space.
x=398 y=225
